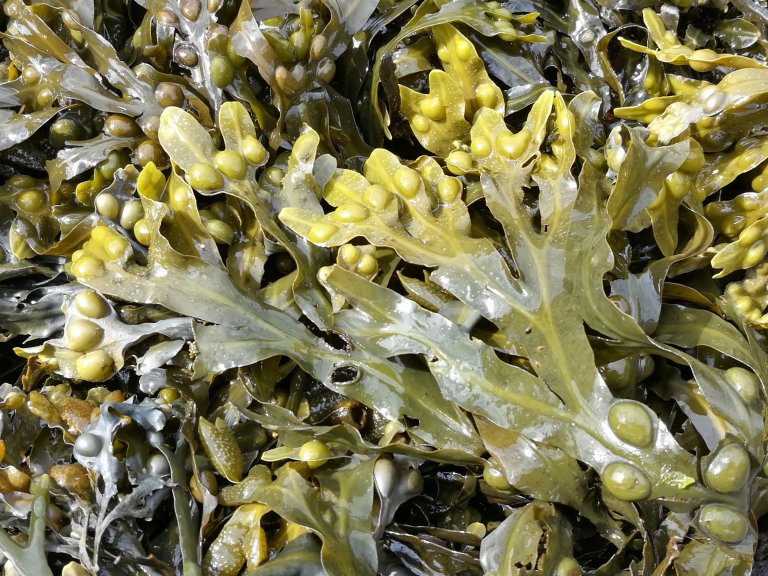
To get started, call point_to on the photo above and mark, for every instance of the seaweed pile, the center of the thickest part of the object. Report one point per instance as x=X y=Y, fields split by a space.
x=383 y=287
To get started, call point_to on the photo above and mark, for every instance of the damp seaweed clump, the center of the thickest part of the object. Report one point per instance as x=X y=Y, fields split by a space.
x=383 y=287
